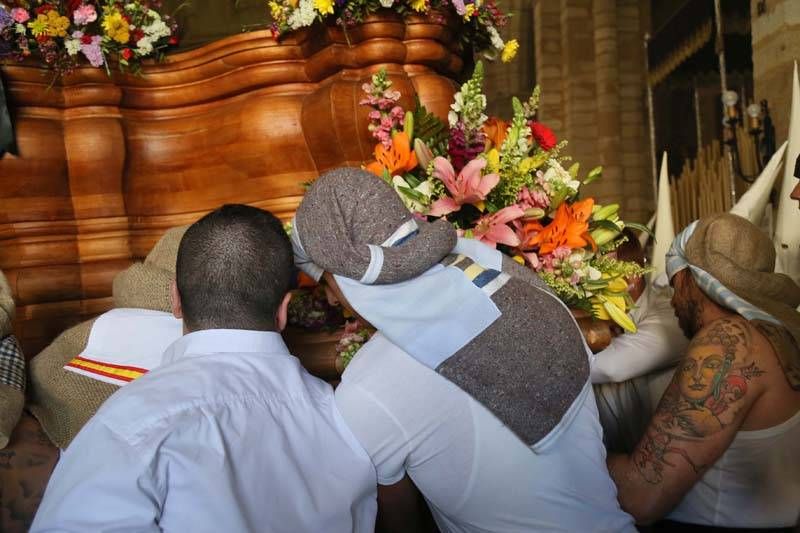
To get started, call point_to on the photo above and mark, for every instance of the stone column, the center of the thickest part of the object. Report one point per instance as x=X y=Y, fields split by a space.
x=776 y=45
x=634 y=137
x=547 y=51
x=579 y=86
x=606 y=73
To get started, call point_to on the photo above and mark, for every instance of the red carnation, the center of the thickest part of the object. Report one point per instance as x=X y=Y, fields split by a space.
x=137 y=35
x=543 y=136
x=72 y=5
x=86 y=39
x=173 y=40
x=43 y=9
x=127 y=54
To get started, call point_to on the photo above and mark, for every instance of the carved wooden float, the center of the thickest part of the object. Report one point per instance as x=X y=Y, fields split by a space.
x=106 y=165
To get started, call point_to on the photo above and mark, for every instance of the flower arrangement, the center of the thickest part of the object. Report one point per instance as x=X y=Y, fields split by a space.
x=482 y=19
x=505 y=184
x=354 y=336
x=309 y=309
x=63 y=33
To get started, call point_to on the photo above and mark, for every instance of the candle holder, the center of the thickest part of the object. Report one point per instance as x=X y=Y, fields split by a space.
x=759 y=126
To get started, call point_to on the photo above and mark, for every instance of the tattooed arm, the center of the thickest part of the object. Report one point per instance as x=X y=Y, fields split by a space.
x=714 y=387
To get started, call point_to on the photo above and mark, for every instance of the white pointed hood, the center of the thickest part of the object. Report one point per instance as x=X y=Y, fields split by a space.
x=752 y=205
x=665 y=228
x=787 y=224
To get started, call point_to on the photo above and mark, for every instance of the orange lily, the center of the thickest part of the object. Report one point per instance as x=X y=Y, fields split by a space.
x=400 y=158
x=570 y=228
x=496 y=130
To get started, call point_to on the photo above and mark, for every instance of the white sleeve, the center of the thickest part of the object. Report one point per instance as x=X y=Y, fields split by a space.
x=378 y=431
x=101 y=483
x=659 y=342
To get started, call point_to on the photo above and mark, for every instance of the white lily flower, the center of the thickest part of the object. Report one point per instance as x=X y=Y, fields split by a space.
x=425 y=189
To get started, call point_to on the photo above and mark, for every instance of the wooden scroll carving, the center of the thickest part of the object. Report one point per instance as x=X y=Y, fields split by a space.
x=106 y=165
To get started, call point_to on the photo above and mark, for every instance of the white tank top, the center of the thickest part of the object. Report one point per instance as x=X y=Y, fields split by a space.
x=755 y=484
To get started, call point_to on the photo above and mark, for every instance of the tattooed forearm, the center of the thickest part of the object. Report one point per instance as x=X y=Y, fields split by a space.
x=706 y=394
x=660 y=448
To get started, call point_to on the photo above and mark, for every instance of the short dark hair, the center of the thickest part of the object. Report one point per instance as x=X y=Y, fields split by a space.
x=233 y=269
x=631 y=249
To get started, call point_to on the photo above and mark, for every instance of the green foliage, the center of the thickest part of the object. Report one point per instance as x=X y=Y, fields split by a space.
x=514 y=150
x=430 y=129
x=573 y=296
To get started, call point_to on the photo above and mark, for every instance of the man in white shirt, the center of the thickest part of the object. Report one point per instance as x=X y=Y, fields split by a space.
x=231 y=433
x=476 y=386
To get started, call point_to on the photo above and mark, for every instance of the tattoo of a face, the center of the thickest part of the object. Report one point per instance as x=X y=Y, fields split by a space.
x=704 y=397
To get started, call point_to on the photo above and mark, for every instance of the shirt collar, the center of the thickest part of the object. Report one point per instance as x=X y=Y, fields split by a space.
x=212 y=341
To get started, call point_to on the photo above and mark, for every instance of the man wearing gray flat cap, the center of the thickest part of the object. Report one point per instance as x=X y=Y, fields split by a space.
x=475 y=387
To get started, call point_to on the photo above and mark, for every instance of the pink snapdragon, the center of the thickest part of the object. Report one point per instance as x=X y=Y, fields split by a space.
x=386 y=115
x=84 y=14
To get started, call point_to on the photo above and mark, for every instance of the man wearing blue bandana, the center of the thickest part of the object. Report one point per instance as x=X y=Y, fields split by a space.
x=721 y=449
x=475 y=388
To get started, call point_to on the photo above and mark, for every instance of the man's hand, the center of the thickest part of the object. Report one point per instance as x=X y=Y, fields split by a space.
x=711 y=393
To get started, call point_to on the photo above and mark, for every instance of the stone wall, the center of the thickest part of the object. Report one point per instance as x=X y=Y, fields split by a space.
x=506 y=80
x=776 y=45
x=590 y=65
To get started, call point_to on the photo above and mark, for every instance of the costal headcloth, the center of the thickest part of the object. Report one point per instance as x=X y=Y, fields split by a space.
x=481 y=321
x=711 y=286
x=733 y=263
x=337 y=225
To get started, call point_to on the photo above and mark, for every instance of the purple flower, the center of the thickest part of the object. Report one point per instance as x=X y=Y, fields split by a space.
x=461 y=9
x=5 y=19
x=463 y=150
x=93 y=52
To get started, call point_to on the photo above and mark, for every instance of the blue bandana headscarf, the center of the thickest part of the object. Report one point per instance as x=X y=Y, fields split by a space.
x=713 y=288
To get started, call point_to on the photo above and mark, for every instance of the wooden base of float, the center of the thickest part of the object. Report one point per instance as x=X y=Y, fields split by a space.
x=107 y=164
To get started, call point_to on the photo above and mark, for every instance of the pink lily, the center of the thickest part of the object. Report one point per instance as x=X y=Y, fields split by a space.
x=469 y=187
x=494 y=229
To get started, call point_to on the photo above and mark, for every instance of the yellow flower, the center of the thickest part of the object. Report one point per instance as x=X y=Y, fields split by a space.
x=275 y=10
x=419 y=5
x=509 y=51
x=116 y=27
x=526 y=165
x=39 y=26
x=56 y=24
x=469 y=10
x=324 y=7
x=493 y=160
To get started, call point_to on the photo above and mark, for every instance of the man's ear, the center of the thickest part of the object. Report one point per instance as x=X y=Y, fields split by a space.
x=175 y=296
x=281 y=317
